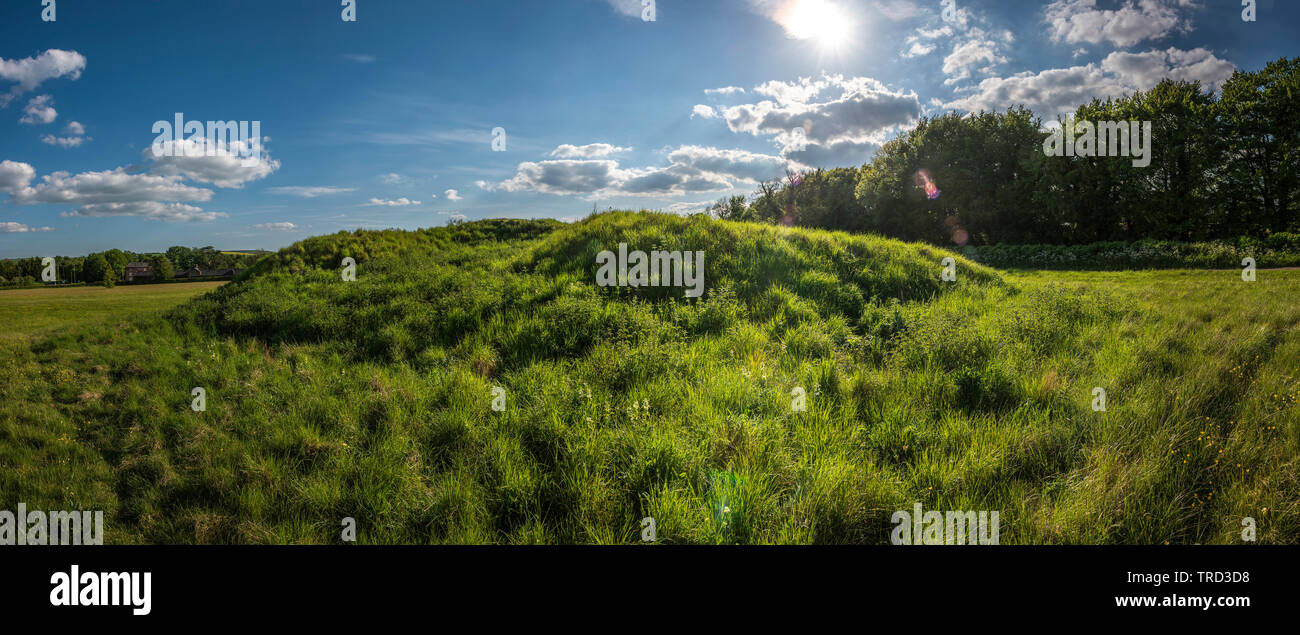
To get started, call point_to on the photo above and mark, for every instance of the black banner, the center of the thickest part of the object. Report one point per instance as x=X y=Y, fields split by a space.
x=314 y=583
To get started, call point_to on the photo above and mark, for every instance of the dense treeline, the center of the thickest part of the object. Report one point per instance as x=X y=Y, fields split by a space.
x=109 y=266
x=1221 y=166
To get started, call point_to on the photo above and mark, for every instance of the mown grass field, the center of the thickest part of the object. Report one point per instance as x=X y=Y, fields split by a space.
x=372 y=399
x=29 y=312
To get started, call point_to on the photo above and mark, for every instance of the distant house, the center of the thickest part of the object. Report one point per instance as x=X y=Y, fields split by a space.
x=137 y=271
x=195 y=272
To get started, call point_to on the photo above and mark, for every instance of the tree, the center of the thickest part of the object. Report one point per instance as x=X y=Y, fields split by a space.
x=96 y=268
x=109 y=278
x=117 y=260
x=162 y=267
x=1260 y=112
x=733 y=208
x=181 y=257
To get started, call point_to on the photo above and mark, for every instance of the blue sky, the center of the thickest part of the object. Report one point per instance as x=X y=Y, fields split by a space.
x=387 y=121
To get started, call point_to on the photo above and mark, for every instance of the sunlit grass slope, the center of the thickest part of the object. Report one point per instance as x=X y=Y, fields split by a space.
x=372 y=399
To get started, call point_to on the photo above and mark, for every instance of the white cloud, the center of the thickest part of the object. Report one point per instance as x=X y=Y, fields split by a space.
x=703 y=112
x=283 y=226
x=307 y=191
x=453 y=195
x=930 y=34
x=109 y=186
x=108 y=193
x=15 y=176
x=31 y=72
x=920 y=42
x=689 y=208
x=690 y=169
x=39 y=110
x=76 y=136
x=1133 y=22
x=810 y=116
x=967 y=54
x=630 y=8
x=1144 y=70
x=589 y=151
x=734 y=164
x=401 y=202
x=360 y=58
x=392 y=178
x=918 y=49
x=1062 y=90
x=19 y=228
x=898 y=9
x=223 y=164
x=152 y=210
x=725 y=90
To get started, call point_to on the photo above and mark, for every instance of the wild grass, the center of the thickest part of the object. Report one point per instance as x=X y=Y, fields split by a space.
x=372 y=399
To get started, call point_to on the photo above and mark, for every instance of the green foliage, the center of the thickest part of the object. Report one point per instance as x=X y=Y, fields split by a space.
x=372 y=399
x=1222 y=165
x=97 y=268
x=162 y=267
x=1277 y=250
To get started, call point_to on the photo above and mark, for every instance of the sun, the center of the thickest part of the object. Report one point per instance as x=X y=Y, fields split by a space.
x=819 y=21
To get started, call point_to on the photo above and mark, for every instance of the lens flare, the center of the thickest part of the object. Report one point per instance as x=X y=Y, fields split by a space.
x=926 y=183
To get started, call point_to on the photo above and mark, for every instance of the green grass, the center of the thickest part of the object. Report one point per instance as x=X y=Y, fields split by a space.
x=372 y=399
x=27 y=313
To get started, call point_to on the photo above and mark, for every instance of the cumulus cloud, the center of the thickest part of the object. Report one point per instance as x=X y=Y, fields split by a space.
x=809 y=116
x=76 y=135
x=737 y=164
x=589 y=151
x=453 y=195
x=114 y=192
x=1144 y=70
x=401 y=202
x=918 y=49
x=565 y=176
x=109 y=186
x=923 y=41
x=39 y=110
x=1133 y=22
x=221 y=163
x=690 y=169
x=15 y=176
x=704 y=112
x=19 y=228
x=957 y=65
x=1061 y=90
x=307 y=191
x=31 y=72
x=725 y=90
x=283 y=226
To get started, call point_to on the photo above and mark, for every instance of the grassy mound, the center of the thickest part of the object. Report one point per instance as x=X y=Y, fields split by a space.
x=373 y=399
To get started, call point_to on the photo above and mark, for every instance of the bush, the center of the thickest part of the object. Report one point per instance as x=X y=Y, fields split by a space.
x=1278 y=250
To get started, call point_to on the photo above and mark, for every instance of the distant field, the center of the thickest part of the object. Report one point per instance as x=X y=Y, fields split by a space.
x=27 y=312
